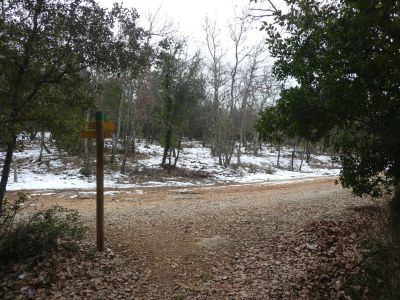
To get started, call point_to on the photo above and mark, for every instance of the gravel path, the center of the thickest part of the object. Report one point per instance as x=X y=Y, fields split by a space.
x=231 y=242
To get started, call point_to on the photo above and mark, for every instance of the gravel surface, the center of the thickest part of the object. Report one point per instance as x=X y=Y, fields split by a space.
x=258 y=241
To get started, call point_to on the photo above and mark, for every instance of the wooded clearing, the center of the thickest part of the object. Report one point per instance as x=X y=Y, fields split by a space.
x=280 y=97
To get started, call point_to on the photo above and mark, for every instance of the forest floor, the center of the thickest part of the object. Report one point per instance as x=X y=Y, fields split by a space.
x=255 y=241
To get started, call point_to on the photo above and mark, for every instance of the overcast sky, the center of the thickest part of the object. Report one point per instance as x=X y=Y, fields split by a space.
x=189 y=15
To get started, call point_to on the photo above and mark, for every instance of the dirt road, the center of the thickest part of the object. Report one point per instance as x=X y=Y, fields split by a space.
x=231 y=242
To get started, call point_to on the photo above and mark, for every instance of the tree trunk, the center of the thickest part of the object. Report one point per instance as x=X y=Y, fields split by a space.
x=169 y=156
x=32 y=136
x=41 y=147
x=45 y=146
x=133 y=148
x=216 y=147
x=279 y=156
x=292 y=161
x=229 y=153
x=126 y=152
x=167 y=145
x=123 y=165
x=6 y=168
x=116 y=136
x=308 y=154
x=395 y=205
x=241 y=141
x=255 y=146
x=245 y=143
x=301 y=160
x=86 y=144
x=178 y=151
x=239 y=153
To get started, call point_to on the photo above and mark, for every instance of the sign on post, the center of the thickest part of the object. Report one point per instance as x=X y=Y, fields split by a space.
x=106 y=126
x=100 y=181
x=99 y=130
x=88 y=134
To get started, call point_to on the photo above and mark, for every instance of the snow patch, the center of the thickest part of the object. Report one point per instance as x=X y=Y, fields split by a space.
x=55 y=172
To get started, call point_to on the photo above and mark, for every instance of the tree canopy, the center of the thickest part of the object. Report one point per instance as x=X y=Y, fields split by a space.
x=344 y=60
x=47 y=49
x=181 y=89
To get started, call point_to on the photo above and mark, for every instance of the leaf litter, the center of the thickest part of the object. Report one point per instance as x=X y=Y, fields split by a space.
x=295 y=241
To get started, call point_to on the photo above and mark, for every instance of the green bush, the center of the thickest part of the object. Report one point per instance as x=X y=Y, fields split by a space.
x=86 y=170
x=25 y=236
x=270 y=170
x=253 y=169
x=378 y=276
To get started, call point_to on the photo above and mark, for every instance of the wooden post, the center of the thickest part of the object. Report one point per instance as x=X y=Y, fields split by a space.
x=100 y=180
x=15 y=170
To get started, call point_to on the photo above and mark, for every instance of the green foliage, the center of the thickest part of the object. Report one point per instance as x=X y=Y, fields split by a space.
x=181 y=89
x=86 y=170
x=378 y=275
x=252 y=168
x=344 y=58
x=7 y=215
x=25 y=236
x=74 y=100
x=270 y=170
x=271 y=125
x=48 y=49
x=46 y=45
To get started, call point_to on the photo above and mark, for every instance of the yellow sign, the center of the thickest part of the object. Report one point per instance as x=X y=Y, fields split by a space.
x=91 y=134
x=106 y=125
x=88 y=134
x=108 y=128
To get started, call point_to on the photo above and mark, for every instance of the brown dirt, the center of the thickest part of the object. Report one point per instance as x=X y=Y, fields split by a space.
x=253 y=241
x=161 y=174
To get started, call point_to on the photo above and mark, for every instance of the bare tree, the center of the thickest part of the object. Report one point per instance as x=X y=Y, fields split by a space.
x=250 y=78
x=258 y=10
x=158 y=26
x=238 y=36
x=215 y=67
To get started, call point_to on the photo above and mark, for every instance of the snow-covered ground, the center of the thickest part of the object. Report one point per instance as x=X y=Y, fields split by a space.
x=59 y=171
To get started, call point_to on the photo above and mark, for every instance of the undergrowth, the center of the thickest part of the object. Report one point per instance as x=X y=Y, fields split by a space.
x=378 y=276
x=25 y=235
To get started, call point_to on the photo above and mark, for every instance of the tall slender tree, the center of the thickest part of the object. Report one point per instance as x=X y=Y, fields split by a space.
x=181 y=90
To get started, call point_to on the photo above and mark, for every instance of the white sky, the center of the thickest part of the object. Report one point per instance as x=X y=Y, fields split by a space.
x=189 y=16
